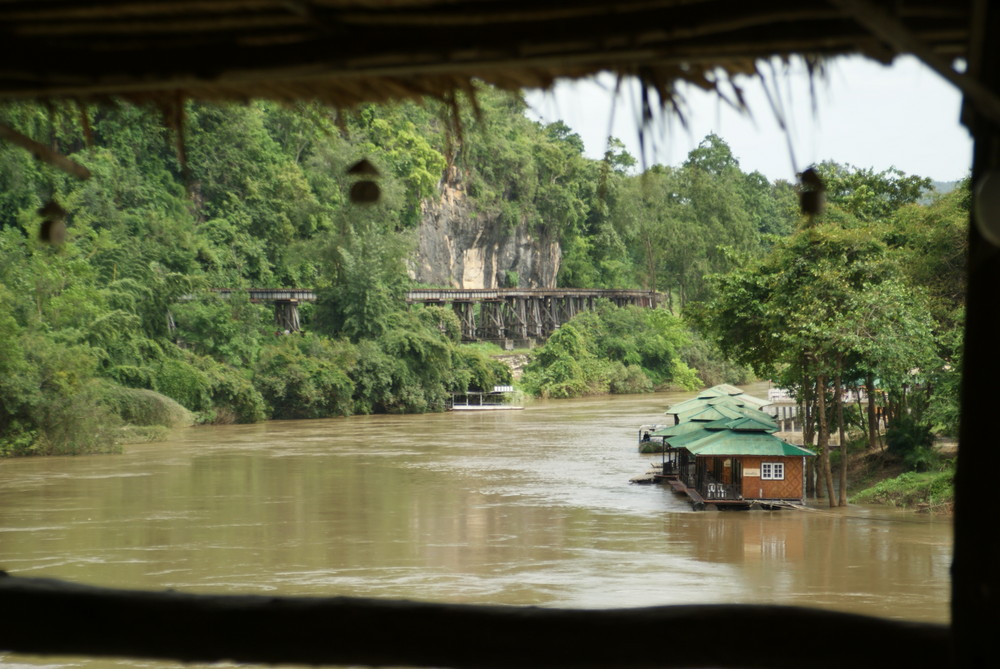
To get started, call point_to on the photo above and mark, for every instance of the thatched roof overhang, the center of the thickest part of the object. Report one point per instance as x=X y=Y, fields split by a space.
x=346 y=52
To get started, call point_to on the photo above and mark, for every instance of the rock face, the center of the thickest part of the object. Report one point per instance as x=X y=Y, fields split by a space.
x=516 y=362
x=461 y=248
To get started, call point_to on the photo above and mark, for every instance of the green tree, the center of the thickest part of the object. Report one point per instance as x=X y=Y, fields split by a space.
x=363 y=287
x=303 y=376
x=826 y=305
x=611 y=349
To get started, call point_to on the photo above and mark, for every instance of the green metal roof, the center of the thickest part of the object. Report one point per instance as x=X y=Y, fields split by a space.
x=685 y=434
x=721 y=394
x=754 y=401
x=692 y=436
x=731 y=411
x=688 y=406
x=722 y=418
x=711 y=412
x=753 y=424
x=729 y=442
x=727 y=389
x=679 y=429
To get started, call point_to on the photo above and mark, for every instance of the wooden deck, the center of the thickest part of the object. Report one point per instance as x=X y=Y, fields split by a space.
x=698 y=502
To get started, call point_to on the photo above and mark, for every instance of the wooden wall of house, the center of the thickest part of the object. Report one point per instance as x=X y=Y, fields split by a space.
x=790 y=487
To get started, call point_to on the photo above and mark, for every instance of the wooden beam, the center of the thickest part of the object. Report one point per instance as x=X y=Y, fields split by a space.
x=888 y=28
x=56 y=618
x=44 y=153
x=975 y=603
x=237 y=58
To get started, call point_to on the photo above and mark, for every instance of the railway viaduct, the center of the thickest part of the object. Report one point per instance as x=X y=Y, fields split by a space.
x=501 y=315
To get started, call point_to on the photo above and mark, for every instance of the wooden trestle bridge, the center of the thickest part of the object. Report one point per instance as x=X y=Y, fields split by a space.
x=503 y=315
x=490 y=314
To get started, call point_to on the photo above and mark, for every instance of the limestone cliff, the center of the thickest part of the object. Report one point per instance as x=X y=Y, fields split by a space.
x=461 y=248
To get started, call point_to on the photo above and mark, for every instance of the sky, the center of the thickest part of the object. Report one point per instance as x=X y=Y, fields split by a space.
x=864 y=114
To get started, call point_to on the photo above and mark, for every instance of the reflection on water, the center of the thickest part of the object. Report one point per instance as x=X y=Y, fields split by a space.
x=512 y=507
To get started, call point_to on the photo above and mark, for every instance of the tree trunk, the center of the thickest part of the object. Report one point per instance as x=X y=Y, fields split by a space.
x=806 y=415
x=810 y=477
x=862 y=419
x=823 y=441
x=838 y=393
x=815 y=482
x=650 y=253
x=872 y=416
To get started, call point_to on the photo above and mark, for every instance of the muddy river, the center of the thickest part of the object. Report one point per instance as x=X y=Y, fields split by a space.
x=505 y=507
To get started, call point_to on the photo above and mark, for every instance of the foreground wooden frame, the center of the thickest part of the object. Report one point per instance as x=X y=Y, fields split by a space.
x=54 y=618
x=47 y=617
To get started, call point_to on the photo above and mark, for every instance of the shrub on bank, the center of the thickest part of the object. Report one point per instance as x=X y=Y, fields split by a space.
x=611 y=350
x=912 y=441
x=137 y=406
x=925 y=490
x=303 y=376
x=76 y=425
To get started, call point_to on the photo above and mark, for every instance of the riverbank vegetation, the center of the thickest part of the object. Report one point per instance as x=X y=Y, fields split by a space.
x=611 y=350
x=893 y=477
x=119 y=332
x=864 y=300
x=930 y=492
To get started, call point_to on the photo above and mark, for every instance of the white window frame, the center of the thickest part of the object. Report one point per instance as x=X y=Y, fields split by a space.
x=772 y=471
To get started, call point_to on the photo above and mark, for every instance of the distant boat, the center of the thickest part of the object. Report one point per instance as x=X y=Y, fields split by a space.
x=646 y=442
x=499 y=399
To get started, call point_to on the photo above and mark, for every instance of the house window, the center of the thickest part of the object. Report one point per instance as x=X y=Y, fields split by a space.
x=772 y=471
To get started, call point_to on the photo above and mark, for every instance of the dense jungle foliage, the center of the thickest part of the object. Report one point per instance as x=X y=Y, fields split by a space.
x=119 y=326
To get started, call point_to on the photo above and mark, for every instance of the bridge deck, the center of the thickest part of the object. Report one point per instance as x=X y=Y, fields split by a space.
x=456 y=294
x=483 y=294
x=504 y=315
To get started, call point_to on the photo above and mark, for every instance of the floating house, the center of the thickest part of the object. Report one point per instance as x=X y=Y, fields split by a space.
x=735 y=463
x=723 y=452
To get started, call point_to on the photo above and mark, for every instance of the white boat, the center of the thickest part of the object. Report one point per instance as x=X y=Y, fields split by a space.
x=499 y=399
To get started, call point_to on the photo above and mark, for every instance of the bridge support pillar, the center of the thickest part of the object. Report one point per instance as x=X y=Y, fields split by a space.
x=286 y=315
x=491 y=323
x=466 y=312
x=510 y=315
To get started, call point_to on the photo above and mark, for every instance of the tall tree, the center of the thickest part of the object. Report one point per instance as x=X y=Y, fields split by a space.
x=825 y=305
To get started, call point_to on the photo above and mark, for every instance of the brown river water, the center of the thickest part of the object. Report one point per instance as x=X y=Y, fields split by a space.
x=528 y=507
